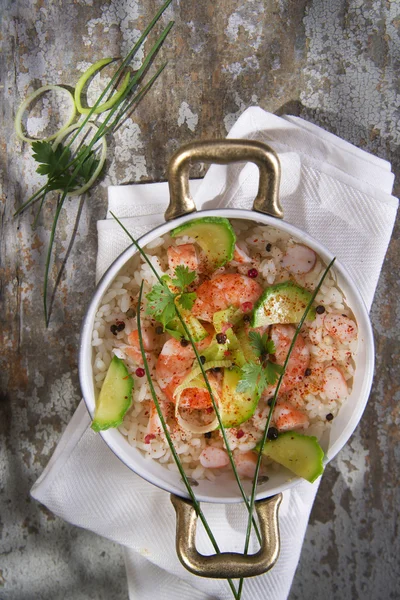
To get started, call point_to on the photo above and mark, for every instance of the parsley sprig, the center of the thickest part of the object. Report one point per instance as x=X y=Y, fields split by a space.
x=257 y=375
x=162 y=298
x=56 y=164
x=65 y=172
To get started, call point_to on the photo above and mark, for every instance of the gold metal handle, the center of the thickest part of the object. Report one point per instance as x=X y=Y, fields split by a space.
x=227 y=565
x=224 y=152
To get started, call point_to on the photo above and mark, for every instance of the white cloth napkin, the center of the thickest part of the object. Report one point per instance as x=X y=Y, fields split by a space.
x=337 y=193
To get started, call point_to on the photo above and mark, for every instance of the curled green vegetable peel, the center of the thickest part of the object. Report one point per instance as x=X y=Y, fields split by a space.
x=82 y=82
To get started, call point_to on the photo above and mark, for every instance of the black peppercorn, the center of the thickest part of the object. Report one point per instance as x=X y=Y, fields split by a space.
x=307 y=372
x=246 y=319
x=159 y=330
x=184 y=343
x=202 y=359
x=270 y=401
x=268 y=247
x=272 y=433
x=329 y=417
x=120 y=326
x=320 y=309
x=221 y=338
x=114 y=329
x=207 y=435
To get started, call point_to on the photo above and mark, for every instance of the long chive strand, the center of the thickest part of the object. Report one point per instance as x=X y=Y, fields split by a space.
x=246 y=500
x=199 y=512
x=265 y=433
x=118 y=72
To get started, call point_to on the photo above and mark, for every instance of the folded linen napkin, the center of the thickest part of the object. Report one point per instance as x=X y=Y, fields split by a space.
x=338 y=194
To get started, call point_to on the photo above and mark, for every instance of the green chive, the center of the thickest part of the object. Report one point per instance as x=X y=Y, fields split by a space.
x=265 y=433
x=193 y=498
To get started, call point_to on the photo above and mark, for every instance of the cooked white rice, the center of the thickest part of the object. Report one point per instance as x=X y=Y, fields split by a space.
x=119 y=305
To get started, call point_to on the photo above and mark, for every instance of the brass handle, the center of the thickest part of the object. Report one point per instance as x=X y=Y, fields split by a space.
x=227 y=565
x=224 y=152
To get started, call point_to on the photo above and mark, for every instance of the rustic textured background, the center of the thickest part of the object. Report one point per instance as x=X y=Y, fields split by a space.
x=333 y=62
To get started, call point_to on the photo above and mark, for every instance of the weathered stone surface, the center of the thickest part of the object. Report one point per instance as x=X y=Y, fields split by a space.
x=335 y=63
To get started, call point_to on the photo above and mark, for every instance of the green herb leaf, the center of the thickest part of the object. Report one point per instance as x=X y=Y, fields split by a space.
x=272 y=372
x=159 y=299
x=52 y=162
x=261 y=345
x=175 y=334
x=184 y=277
x=187 y=300
x=252 y=378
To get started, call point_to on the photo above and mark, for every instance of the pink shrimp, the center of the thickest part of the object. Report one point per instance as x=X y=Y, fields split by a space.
x=299 y=360
x=154 y=426
x=240 y=257
x=173 y=364
x=335 y=385
x=185 y=255
x=229 y=289
x=213 y=458
x=246 y=464
x=150 y=343
x=286 y=417
x=340 y=327
x=299 y=259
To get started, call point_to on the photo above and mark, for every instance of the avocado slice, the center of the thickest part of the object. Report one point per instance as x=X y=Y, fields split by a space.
x=230 y=350
x=236 y=408
x=230 y=316
x=115 y=396
x=282 y=303
x=196 y=329
x=247 y=349
x=214 y=235
x=299 y=453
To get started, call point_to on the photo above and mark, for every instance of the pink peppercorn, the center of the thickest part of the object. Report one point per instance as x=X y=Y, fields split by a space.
x=247 y=306
x=253 y=273
x=149 y=437
x=239 y=434
x=140 y=372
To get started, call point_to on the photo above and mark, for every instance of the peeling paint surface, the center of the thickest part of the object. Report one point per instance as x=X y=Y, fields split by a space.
x=333 y=62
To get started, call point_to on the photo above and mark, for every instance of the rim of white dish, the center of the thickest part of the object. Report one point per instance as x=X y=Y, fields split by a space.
x=160 y=230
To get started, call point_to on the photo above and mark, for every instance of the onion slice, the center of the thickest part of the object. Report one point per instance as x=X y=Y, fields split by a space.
x=99 y=167
x=26 y=103
x=82 y=81
x=186 y=383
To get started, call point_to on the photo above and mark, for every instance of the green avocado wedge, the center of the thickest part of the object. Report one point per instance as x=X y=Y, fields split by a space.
x=115 y=397
x=196 y=329
x=299 y=453
x=214 y=235
x=236 y=408
x=282 y=303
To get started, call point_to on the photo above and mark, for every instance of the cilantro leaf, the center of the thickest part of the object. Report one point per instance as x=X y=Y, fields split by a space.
x=184 y=277
x=261 y=345
x=272 y=372
x=187 y=300
x=167 y=314
x=159 y=298
x=175 y=334
x=252 y=377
